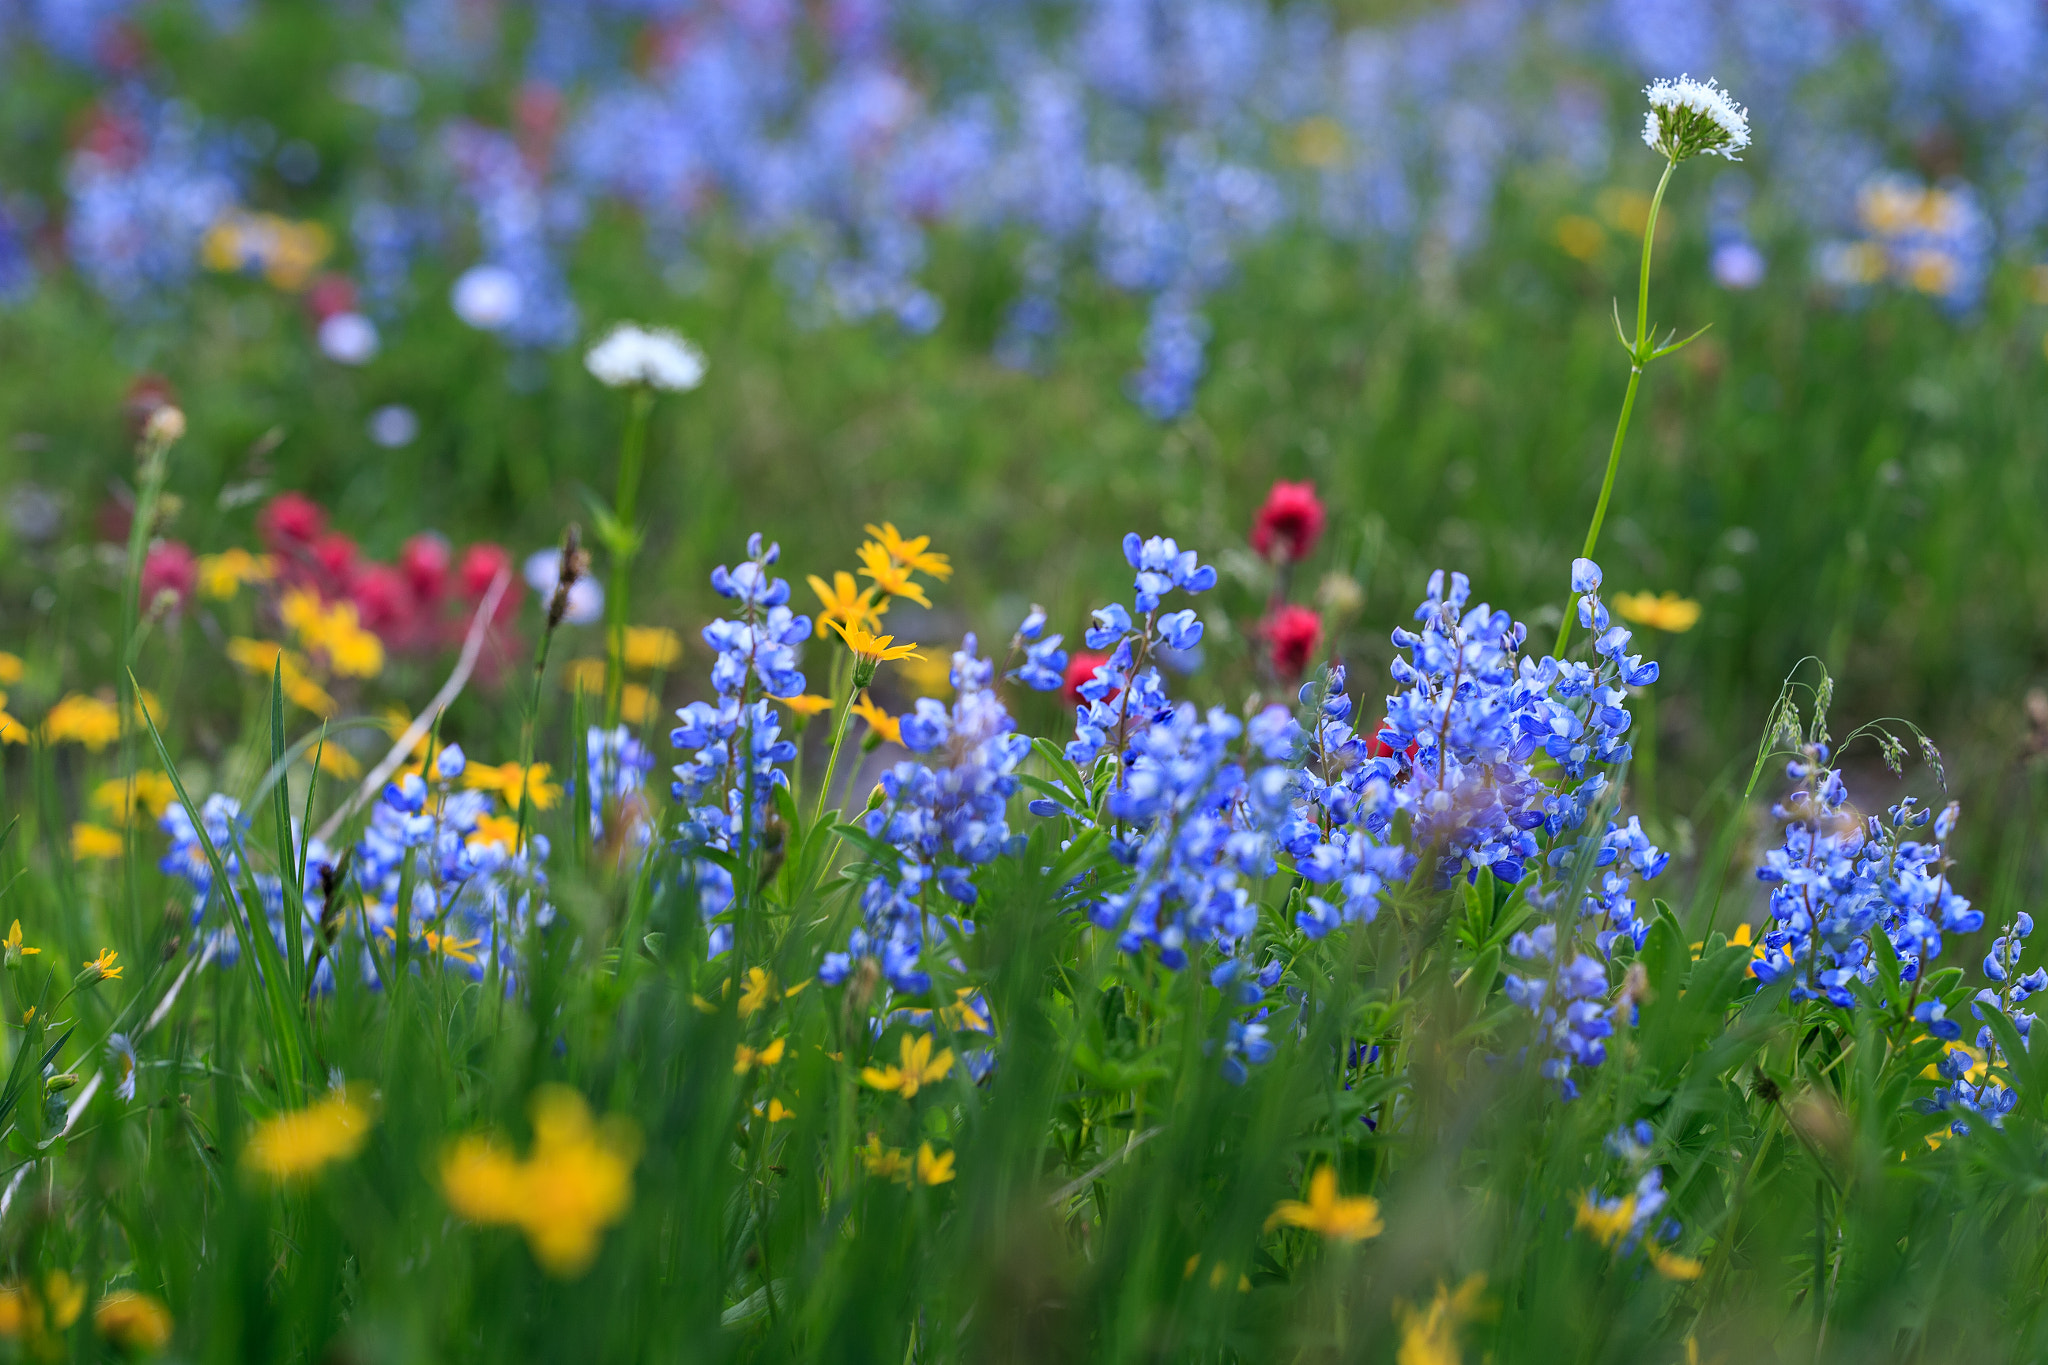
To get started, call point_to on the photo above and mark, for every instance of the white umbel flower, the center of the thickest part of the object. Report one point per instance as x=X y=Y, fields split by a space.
x=653 y=356
x=1688 y=117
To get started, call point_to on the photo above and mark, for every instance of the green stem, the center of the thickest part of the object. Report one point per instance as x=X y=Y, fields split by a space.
x=832 y=757
x=1639 y=356
x=625 y=545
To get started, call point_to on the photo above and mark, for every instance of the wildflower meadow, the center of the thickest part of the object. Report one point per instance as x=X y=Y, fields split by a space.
x=1012 y=680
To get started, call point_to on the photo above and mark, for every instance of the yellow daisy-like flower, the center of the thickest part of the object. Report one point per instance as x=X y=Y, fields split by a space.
x=82 y=720
x=874 y=648
x=745 y=1059
x=891 y=578
x=652 y=647
x=133 y=1322
x=14 y=948
x=101 y=968
x=294 y=1145
x=1606 y=1225
x=919 y=1068
x=637 y=705
x=912 y=553
x=884 y=725
x=511 y=782
x=12 y=669
x=807 y=705
x=933 y=1169
x=1430 y=1336
x=262 y=658
x=119 y=796
x=223 y=575
x=886 y=1162
x=12 y=731
x=334 y=631
x=1670 y=612
x=1338 y=1217
x=577 y=1182
x=585 y=676
x=94 y=843
x=844 y=601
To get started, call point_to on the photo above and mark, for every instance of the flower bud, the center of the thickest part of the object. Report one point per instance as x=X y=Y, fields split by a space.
x=165 y=426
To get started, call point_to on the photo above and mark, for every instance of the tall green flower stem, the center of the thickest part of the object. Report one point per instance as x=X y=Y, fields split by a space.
x=622 y=539
x=863 y=674
x=165 y=426
x=1641 y=352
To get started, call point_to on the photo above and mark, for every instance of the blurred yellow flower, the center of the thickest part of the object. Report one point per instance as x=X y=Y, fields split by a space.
x=12 y=731
x=637 y=705
x=94 y=843
x=1430 y=1336
x=745 y=1059
x=284 y=251
x=585 y=676
x=919 y=1068
x=910 y=553
x=778 y=1111
x=339 y=763
x=845 y=602
x=11 y=669
x=885 y=1162
x=1580 y=237
x=117 y=796
x=83 y=720
x=1318 y=141
x=501 y=830
x=1673 y=1266
x=929 y=676
x=335 y=631
x=577 y=1182
x=758 y=991
x=1607 y=1225
x=879 y=649
x=933 y=1169
x=134 y=1322
x=1340 y=1218
x=1670 y=612
x=512 y=783
x=223 y=575
x=650 y=647
x=262 y=658
x=293 y=1145
x=807 y=705
x=881 y=722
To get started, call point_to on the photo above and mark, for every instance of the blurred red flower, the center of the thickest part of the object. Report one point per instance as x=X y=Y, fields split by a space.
x=169 y=567
x=1290 y=524
x=1292 y=634
x=1080 y=668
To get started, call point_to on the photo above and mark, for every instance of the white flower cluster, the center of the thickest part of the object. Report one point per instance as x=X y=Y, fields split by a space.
x=1688 y=117
x=654 y=356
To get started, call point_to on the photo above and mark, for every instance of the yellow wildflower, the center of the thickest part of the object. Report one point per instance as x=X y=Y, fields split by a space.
x=1607 y=1225
x=94 y=843
x=1430 y=1336
x=297 y=1144
x=881 y=722
x=650 y=647
x=12 y=731
x=778 y=1111
x=263 y=657
x=1673 y=1266
x=11 y=669
x=745 y=1059
x=911 y=553
x=117 y=796
x=133 y=1322
x=577 y=1182
x=933 y=1169
x=807 y=705
x=885 y=1162
x=879 y=649
x=223 y=575
x=502 y=830
x=14 y=948
x=637 y=705
x=511 y=782
x=335 y=631
x=1580 y=237
x=339 y=763
x=929 y=677
x=585 y=676
x=1317 y=141
x=843 y=601
x=1669 y=612
x=758 y=991
x=919 y=1068
x=891 y=579
x=101 y=968
x=1343 y=1218
x=84 y=720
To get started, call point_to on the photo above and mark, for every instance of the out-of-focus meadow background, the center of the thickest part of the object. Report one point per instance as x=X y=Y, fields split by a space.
x=1023 y=275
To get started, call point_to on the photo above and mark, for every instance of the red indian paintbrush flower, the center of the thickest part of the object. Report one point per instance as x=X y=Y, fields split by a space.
x=1289 y=525
x=1080 y=668
x=1292 y=636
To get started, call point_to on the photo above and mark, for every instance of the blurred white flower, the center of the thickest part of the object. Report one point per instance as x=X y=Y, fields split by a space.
x=586 y=594
x=487 y=297
x=1688 y=117
x=654 y=356
x=394 y=425
x=348 y=339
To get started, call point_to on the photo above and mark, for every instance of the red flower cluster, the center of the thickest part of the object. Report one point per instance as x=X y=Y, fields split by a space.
x=1081 y=667
x=168 y=568
x=1293 y=635
x=1289 y=525
x=421 y=603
